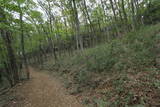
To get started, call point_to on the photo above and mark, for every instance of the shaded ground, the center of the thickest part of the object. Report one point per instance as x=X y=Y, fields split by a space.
x=42 y=91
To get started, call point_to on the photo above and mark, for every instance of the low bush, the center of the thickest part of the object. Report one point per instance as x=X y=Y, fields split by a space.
x=134 y=51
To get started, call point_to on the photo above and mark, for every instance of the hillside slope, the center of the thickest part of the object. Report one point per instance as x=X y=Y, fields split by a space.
x=122 y=72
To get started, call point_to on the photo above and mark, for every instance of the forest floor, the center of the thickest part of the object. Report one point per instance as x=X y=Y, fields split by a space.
x=41 y=91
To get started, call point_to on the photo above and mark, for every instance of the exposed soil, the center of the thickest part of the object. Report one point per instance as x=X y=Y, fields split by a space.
x=42 y=91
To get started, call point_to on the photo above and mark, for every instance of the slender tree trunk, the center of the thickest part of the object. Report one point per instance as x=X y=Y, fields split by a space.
x=133 y=15
x=88 y=16
x=119 y=10
x=103 y=7
x=79 y=38
x=6 y=36
x=115 y=18
x=23 y=47
x=124 y=14
x=89 y=22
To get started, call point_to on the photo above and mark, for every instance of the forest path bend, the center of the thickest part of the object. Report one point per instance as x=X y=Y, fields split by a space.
x=43 y=91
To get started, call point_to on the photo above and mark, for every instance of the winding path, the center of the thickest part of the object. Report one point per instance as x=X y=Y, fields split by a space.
x=43 y=91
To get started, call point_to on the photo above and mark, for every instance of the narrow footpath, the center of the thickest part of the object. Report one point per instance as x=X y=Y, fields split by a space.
x=42 y=91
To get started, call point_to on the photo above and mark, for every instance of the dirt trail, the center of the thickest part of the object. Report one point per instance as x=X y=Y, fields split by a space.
x=43 y=91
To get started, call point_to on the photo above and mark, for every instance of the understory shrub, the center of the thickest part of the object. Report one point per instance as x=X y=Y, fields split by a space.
x=135 y=50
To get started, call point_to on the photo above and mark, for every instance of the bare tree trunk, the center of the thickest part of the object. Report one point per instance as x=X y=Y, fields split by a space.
x=115 y=18
x=79 y=39
x=133 y=15
x=22 y=44
x=124 y=14
x=89 y=22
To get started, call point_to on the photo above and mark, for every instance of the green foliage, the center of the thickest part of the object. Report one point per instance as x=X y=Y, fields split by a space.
x=152 y=12
x=133 y=51
x=101 y=59
x=101 y=103
x=83 y=77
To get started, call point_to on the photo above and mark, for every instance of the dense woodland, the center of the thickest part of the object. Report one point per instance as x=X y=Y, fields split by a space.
x=34 y=31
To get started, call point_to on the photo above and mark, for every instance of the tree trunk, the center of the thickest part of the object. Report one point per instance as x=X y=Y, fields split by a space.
x=133 y=15
x=115 y=18
x=124 y=14
x=79 y=39
x=22 y=44
x=6 y=36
